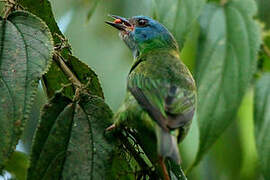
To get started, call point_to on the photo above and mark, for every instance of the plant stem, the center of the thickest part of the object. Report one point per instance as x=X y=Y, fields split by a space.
x=132 y=150
x=223 y=2
x=59 y=60
x=266 y=50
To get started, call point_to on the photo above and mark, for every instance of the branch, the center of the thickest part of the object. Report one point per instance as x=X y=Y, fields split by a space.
x=136 y=155
x=266 y=50
x=223 y=2
x=60 y=61
x=132 y=150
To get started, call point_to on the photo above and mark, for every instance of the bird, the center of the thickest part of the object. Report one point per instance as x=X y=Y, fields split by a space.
x=161 y=90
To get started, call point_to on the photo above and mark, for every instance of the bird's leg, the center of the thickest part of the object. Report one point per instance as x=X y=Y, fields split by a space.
x=164 y=169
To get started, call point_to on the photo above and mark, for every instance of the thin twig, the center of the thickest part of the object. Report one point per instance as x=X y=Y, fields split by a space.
x=266 y=50
x=223 y=2
x=10 y=5
x=74 y=80
x=132 y=150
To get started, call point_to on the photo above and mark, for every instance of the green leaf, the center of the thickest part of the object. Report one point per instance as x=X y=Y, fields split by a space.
x=92 y=116
x=25 y=54
x=43 y=10
x=54 y=79
x=17 y=165
x=85 y=75
x=49 y=115
x=226 y=62
x=93 y=6
x=262 y=122
x=178 y=16
x=71 y=142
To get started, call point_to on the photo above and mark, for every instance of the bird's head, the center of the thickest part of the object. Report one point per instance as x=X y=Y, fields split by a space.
x=143 y=34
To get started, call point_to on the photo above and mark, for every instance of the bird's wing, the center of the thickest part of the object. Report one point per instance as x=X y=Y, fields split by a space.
x=171 y=106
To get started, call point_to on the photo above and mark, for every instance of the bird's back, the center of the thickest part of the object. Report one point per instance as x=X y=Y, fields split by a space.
x=164 y=65
x=165 y=86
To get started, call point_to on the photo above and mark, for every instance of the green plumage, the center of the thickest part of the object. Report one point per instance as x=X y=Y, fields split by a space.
x=161 y=92
x=156 y=74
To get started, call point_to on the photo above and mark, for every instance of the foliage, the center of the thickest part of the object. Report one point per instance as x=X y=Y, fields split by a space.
x=219 y=39
x=230 y=48
x=262 y=120
x=70 y=138
x=26 y=51
x=178 y=16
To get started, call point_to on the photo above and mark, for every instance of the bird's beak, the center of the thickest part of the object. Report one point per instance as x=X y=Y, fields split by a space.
x=120 y=23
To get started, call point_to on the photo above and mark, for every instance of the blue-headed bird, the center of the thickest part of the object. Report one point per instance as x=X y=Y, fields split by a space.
x=160 y=89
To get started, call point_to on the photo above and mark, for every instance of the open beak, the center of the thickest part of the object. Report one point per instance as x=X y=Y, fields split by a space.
x=120 y=23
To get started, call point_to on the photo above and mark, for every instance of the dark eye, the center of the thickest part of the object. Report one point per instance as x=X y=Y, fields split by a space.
x=142 y=22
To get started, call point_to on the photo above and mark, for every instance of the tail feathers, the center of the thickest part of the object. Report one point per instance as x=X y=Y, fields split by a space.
x=167 y=145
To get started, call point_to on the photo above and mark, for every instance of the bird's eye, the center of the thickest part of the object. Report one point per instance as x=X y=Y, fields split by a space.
x=142 y=22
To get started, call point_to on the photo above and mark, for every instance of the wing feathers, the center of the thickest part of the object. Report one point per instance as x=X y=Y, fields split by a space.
x=146 y=105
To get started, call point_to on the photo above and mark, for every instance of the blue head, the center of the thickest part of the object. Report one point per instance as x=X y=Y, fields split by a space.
x=143 y=34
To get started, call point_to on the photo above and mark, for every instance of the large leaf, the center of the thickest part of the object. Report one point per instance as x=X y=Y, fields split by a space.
x=25 y=53
x=71 y=142
x=226 y=62
x=178 y=16
x=49 y=115
x=89 y=148
x=43 y=10
x=262 y=122
x=54 y=79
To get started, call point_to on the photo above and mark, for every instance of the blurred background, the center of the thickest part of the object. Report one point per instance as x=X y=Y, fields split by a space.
x=233 y=156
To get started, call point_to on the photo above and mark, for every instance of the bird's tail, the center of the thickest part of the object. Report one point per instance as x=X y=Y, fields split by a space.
x=167 y=145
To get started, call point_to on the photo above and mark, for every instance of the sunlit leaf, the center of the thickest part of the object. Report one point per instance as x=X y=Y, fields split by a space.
x=17 y=165
x=262 y=122
x=25 y=54
x=178 y=16
x=225 y=64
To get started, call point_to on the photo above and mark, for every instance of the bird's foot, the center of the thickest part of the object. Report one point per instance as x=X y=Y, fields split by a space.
x=164 y=168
